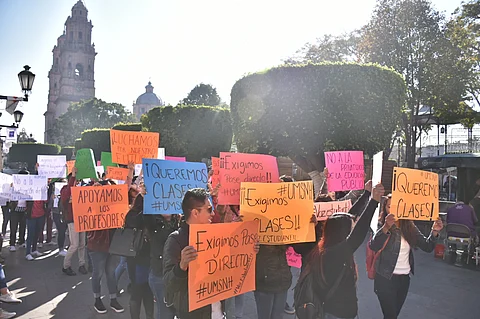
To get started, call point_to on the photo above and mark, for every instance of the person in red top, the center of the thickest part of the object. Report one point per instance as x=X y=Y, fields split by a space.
x=77 y=240
x=35 y=223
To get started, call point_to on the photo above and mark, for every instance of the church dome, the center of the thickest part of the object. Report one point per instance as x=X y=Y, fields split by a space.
x=149 y=97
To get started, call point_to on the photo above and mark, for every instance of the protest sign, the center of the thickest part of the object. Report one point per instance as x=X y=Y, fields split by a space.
x=175 y=158
x=29 y=187
x=6 y=186
x=100 y=171
x=99 y=207
x=323 y=210
x=345 y=170
x=133 y=146
x=293 y=258
x=161 y=153
x=52 y=166
x=70 y=166
x=216 y=171
x=414 y=194
x=106 y=160
x=225 y=265
x=58 y=187
x=376 y=178
x=120 y=174
x=284 y=211
x=85 y=164
x=138 y=169
x=236 y=168
x=167 y=181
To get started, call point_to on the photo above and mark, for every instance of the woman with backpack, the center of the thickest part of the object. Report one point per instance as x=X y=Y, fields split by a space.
x=328 y=283
x=394 y=242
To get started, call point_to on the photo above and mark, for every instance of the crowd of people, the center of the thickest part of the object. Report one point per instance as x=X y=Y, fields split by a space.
x=158 y=274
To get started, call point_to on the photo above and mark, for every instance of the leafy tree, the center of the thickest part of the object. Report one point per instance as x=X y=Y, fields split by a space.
x=202 y=94
x=85 y=115
x=23 y=137
x=27 y=153
x=302 y=111
x=196 y=132
x=68 y=151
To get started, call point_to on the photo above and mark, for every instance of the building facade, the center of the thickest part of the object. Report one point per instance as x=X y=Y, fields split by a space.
x=146 y=101
x=72 y=76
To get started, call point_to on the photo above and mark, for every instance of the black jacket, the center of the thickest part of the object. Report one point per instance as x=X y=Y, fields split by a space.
x=158 y=231
x=272 y=273
x=136 y=219
x=175 y=279
x=386 y=262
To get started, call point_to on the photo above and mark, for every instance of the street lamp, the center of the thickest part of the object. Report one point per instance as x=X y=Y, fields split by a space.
x=26 y=78
x=18 y=116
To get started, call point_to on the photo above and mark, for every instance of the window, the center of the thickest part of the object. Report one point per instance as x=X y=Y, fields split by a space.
x=71 y=35
x=80 y=12
x=69 y=65
x=142 y=110
x=55 y=85
x=80 y=35
x=79 y=70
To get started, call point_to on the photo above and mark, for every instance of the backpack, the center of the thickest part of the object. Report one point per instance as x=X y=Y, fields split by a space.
x=372 y=257
x=308 y=305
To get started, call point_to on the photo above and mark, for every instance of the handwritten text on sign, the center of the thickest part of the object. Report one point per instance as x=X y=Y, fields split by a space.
x=237 y=168
x=225 y=266
x=345 y=170
x=323 y=210
x=6 y=186
x=216 y=171
x=118 y=173
x=294 y=259
x=99 y=207
x=414 y=194
x=52 y=166
x=167 y=181
x=29 y=187
x=284 y=211
x=133 y=146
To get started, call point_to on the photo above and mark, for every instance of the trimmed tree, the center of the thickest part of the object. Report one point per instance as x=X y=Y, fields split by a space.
x=68 y=151
x=27 y=153
x=302 y=111
x=196 y=132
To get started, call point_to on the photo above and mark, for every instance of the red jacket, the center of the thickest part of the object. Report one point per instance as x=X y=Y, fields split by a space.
x=65 y=195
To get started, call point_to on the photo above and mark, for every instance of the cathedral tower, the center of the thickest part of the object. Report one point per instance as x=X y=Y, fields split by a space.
x=72 y=74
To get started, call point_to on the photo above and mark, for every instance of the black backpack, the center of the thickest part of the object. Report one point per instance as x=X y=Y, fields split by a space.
x=308 y=305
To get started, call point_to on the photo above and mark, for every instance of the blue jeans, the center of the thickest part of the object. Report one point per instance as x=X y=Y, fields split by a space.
x=34 y=227
x=270 y=305
x=103 y=264
x=157 y=287
x=3 y=281
x=61 y=229
x=234 y=307
x=122 y=266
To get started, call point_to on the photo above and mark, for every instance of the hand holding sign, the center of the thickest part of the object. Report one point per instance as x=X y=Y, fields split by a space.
x=188 y=255
x=378 y=192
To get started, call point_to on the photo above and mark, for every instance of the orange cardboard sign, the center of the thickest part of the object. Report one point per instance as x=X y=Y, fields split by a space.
x=414 y=194
x=284 y=211
x=216 y=171
x=70 y=165
x=133 y=146
x=237 y=168
x=225 y=265
x=118 y=173
x=323 y=210
x=99 y=207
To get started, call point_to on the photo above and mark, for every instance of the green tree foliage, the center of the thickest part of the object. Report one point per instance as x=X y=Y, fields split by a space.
x=68 y=151
x=195 y=132
x=27 y=153
x=303 y=110
x=202 y=94
x=85 y=115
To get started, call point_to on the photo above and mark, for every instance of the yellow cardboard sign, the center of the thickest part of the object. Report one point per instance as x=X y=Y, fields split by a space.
x=284 y=211
x=414 y=194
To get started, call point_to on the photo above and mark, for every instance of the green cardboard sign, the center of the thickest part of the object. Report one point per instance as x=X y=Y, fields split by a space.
x=85 y=164
x=106 y=160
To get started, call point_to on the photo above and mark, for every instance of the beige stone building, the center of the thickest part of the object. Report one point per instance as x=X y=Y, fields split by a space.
x=72 y=74
x=146 y=101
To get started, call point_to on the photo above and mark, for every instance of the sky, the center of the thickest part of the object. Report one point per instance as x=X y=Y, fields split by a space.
x=176 y=44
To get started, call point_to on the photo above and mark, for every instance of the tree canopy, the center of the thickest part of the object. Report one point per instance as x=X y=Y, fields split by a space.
x=85 y=115
x=202 y=94
x=301 y=111
x=196 y=132
x=27 y=153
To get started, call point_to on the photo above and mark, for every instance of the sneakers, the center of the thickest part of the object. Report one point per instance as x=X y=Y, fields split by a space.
x=6 y=315
x=62 y=253
x=82 y=270
x=116 y=306
x=39 y=245
x=36 y=253
x=99 y=307
x=12 y=249
x=29 y=257
x=289 y=310
x=10 y=298
x=69 y=271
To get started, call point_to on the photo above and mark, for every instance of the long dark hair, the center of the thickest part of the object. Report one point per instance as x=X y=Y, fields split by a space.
x=407 y=227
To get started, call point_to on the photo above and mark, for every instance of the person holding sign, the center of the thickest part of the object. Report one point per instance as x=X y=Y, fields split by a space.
x=331 y=262
x=395 y=240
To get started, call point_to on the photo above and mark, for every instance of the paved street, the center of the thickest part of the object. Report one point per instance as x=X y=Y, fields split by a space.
x=438 y=290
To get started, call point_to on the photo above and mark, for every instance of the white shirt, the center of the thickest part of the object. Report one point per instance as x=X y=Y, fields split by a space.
x=22 y=203
x=403 y=262
x=217 y=310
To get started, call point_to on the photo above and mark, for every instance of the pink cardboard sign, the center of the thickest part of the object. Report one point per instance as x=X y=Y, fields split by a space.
x=236 y=168
x=294 y=259
x=175 y=159
x=345 y=170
